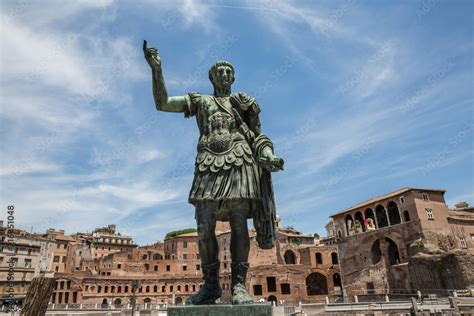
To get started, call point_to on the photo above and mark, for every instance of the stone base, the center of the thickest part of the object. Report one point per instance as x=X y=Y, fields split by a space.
x=221 y=310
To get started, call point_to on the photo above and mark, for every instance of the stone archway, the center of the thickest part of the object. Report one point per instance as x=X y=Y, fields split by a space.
x=392 y=251
x=290 y=257
x=316 y=284
x=370 y=223
x=118 y=302
x=272 y=298
x=178 y=301
x=376 y=252
x=359 y=222
x=393 y=213
x=382 y=219
x=406 y=216
x=349 y=224
x=105 y=302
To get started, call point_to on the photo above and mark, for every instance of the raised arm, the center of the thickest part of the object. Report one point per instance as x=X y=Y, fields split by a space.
x=160 y=94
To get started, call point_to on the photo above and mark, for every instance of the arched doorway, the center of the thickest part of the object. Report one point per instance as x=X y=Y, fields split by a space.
x=336 y=281
x=393 y=254
x=147 y=302
x=118 y=302
x=393 y=213
x=359 y=223
x=370 y=219
x=316 y=284
x=382 y=219
x=178 y=301
x=349 y=222
x=272 y=298
x=290 y=257
x=105 y=302
x=406 y=216
x=376 y=252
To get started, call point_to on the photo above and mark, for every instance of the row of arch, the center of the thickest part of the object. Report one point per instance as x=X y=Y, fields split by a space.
x=370 y=220
x=115 y=241
x=118 y=301
x=290 y=257
x=143 y=289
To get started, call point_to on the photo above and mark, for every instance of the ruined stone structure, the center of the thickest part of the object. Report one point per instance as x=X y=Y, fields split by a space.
x=300 y=268
x=401 y=242
x=404 y=241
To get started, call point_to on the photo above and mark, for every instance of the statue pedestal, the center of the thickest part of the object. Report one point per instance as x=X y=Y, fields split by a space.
x=257 y=309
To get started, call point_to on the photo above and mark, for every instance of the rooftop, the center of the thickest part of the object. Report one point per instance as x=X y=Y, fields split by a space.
x=383 y=197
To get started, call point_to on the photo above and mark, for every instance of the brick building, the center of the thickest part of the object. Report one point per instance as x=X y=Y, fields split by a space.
x=299 y=268
x=402 y=241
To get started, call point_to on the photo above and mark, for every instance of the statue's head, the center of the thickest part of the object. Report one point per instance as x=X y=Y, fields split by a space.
x=221 y=74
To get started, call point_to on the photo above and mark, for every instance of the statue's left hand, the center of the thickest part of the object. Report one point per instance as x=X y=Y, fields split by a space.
x=272 y=164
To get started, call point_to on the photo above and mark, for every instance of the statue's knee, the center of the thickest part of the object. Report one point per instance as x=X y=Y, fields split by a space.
x=205 y=230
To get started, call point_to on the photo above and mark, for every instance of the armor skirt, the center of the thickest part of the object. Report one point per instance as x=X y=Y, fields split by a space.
x=226 y=177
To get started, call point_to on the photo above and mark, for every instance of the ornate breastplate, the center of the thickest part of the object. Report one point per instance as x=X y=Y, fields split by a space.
x=219 y=138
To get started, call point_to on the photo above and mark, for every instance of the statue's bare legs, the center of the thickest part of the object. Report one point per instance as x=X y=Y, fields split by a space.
x=209 y=252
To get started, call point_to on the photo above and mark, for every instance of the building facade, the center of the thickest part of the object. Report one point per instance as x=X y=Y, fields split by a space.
x=401 y=242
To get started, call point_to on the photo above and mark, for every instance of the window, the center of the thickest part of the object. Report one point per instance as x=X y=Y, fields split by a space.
x=370 y=287
x=285 y=288
x=271 y=284
x=27 y=263
x=147 y=266
x=56 y=259
x=319 y=258
x=402 y=200
x=185 y=268
x=185 y=244
x=462 y=241
x=168 y=268
x=64 y=259
x=257 y=290
x=429 y=213
x=198 y=267
x=425 y=196
x=225 y=265
x=155 y=268
x=185 y=256
x=334 y=258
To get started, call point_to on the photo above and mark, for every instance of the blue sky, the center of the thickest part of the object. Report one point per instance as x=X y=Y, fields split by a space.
x=361 y=98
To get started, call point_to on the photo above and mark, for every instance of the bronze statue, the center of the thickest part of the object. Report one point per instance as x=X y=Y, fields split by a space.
x=232 y=180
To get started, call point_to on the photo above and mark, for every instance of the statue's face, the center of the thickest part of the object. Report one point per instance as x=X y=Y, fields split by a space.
x=223 y=76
